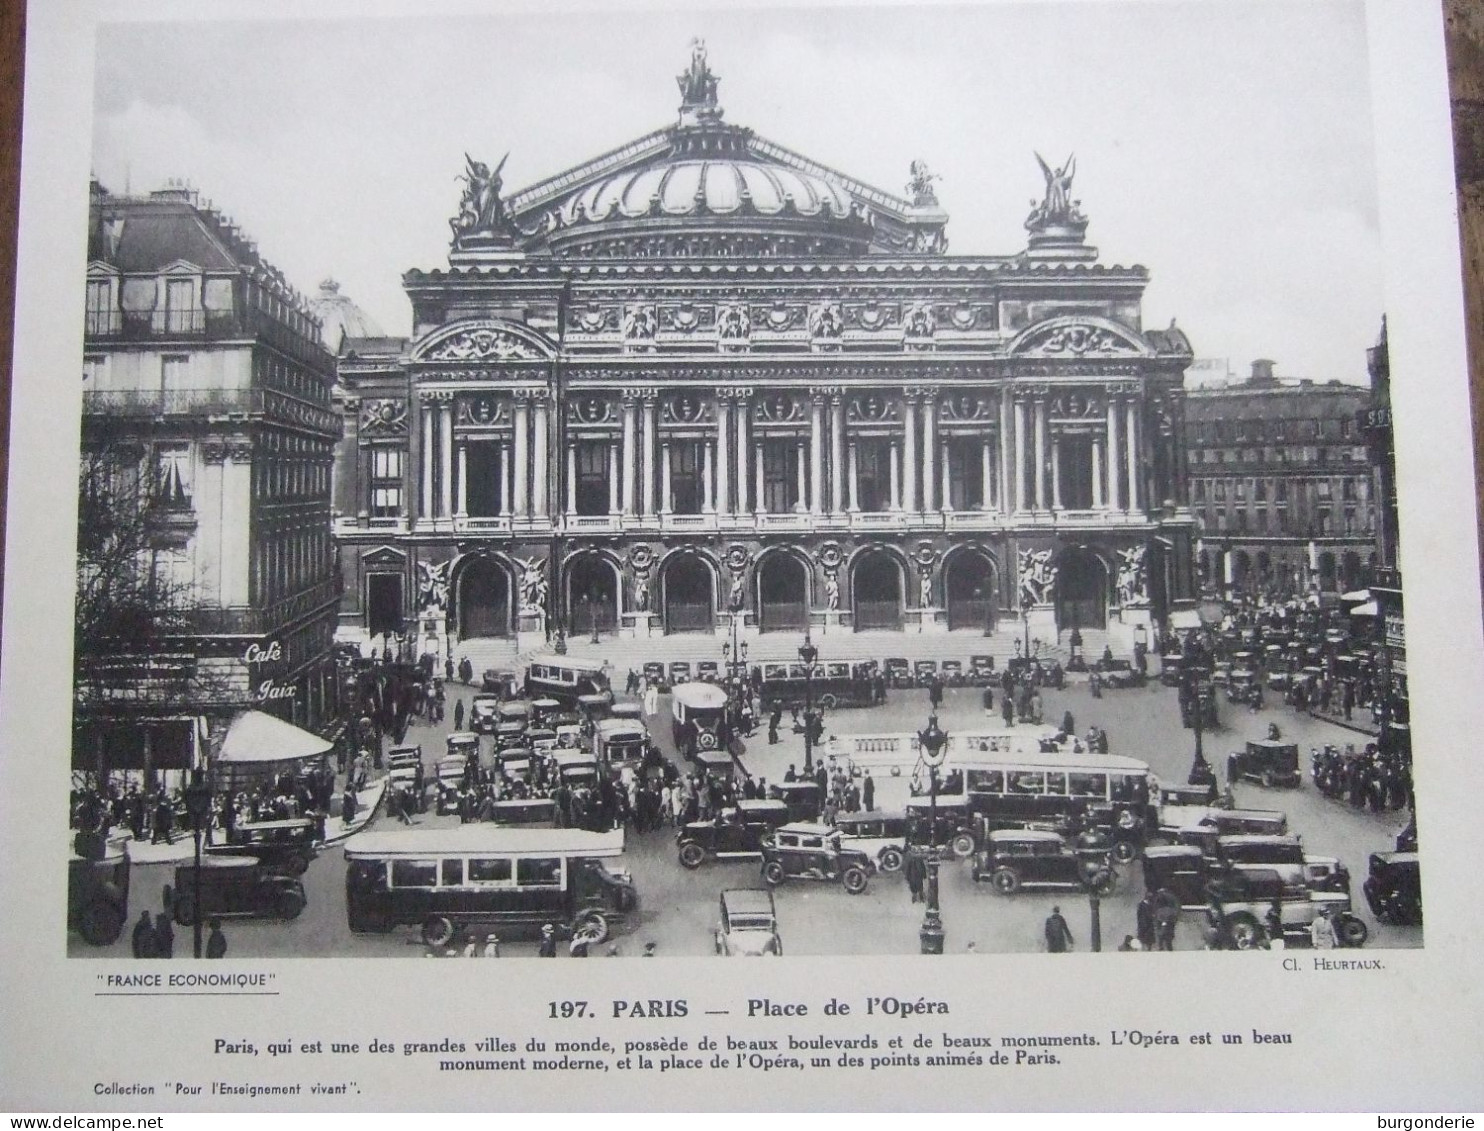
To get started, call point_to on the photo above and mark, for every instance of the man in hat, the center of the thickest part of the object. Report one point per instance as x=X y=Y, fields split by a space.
x=548 y=942
x=1058 y=934
x=492 y=946
x=216 y=942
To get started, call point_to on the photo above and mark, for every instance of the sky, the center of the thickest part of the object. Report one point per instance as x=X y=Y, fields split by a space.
x=1226 y=146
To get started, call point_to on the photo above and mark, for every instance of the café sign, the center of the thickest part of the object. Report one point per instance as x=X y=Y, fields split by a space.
x=257 y=654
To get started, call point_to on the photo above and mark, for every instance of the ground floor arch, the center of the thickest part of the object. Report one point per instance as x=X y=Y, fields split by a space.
x=1241 y=567
x=483 y=599
x=1352 y=576
x=971 y=589
x=591 y=594
x=876 y=589
x=1081 y=589
x=782 y=593
x=1327 y=571
x=687 y=594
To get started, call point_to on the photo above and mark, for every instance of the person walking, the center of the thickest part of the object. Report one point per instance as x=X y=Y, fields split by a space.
x=651 y=700
x=1144 y=920
x=548 y=942
x=1058 y=934
x=1164 y=928
x=144 y=942
x=1007 y=709
x=935 y=692
x=164 y=936
x=458 y=714
x=216 y=942
x=988 y=699
x=164 y=820
x=915 y=871
x=1322 y=931
x=868 y=793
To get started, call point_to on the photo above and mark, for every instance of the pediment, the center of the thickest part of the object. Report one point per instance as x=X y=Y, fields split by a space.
x=482 y=341
x=1079 y=336
x=181 y=267
x=384 y=556
x=97 y=267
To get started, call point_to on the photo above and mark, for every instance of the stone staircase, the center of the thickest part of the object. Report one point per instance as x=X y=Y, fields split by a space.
x=497 y=652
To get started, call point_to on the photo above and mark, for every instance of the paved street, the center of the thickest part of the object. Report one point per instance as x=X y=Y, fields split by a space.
x=679 y=906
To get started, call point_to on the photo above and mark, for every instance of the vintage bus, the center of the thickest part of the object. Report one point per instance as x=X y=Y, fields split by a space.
x=442 y=879
x=833 y=683
x=699 y=711
x=569 y=680
x=1015 y=789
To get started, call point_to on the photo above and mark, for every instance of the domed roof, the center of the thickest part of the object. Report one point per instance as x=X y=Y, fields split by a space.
x=340 y=318
x=718 y=187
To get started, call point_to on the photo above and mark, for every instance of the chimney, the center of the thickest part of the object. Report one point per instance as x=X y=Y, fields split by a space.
x=1262 y=372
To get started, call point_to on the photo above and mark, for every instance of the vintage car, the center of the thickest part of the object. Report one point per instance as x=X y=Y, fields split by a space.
x=575 y=767
x=802 y=797
x=881 y=835
x=708 y=671
x=632 y=712
x=1245 y=899
x=484 y=714
x=462 y=744
x=952 y=673
x=406 y=773
x=524 y=813
x=1012 y=859
x=1120 y=673
x=1286 y=855
x=732 y=834
x=814 y=852
x=501 y=683
x=282 y=846
x=1270 y=761
x=924 y=672
x=544 y=712
x=1201 y=796
x=1169 y=669
x=234 y=886
x=898 y=672
x=981 y=670
x=957 y=825
x=1394 y=888
x=749 y=924
x=1197 y=824
x=654 y=675
x=621 y=742
x=448 y=780
x=98 y=887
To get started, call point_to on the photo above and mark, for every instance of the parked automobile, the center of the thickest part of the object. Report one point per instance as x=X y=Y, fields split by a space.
x=98 y=887
x=803 y=799
x=234 y=886
x=898 y=672
x=484 y=713
x=1269 y=761
x=405 y=769
x=981 y=670
x=1285 y=854
x=1198 y=824
x=448 y=780
x=1120 y=673
x=283 y=846
x=1013 y=859
x=1394 y=888
x=924 y=672
x=814 y=852
x=957 y=829
x=880 y=834
x=502 y=683
x=731 y=834
x=1245 y=898
x=952 y=673
x=749 y=924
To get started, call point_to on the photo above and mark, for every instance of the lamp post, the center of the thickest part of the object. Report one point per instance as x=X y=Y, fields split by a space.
x=808 y=653
x=1193 y=672
x=592 y=615
x=198 y=809
x=933 y=744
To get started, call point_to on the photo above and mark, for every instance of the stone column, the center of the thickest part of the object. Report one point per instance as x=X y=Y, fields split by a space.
x=947 y=484
x=1097 y=473
x=1055 y=471
x=1113 y=492
x=758 y=484
x=1018 y=465
x=1040 y=480
x=614 y=502
x=1007 y=451
x=909 y=454
x=799 y=461
x=723 y=455
x=571 y=503
x=744 y=453
x=708 y=505
x=855 y=476
x=522 y=484
x=896 y=477
x=463 y=511
x=425 y=508
x=445 y=455
x=929 y=451
x=665 y=496
x=1132 y=407
x=816 y=454
x=648 y=442
x=629 y=476
x=837 y=454
x=986 y=483
x=507 y=481
x=540 y=465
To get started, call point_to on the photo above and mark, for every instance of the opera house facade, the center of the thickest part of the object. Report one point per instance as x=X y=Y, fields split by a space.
x=702 y=383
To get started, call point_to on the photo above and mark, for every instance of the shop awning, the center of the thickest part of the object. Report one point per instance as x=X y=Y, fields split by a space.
x=1185 y=618
x=1367 y=610
x=1356 y=595
x=256 y=737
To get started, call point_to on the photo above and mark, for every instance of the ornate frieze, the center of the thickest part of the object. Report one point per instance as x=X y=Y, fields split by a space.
x=780 y=408
x=484 y=410
x=871 y=408
x=964 y=407
x=684 y=408
x=1077 y=404
x=589 y=409
x=383 y=416
x=482 y=343
x=733 y=323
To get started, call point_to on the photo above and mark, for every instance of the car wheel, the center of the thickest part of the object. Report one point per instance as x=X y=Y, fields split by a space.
x=1353 y=931
x=288 y=905
x=692 y=855
x=962 y=845
x=773 y=873
x=296 y=865
x=1245 y=932
x=1005 y=881
x=828 y=702
x=592 y=924
x=437 y=931
x=102 y=923
x=854 y=880
x=890 y=860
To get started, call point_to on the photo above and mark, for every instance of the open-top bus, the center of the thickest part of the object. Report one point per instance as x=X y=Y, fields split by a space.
x=482 y=874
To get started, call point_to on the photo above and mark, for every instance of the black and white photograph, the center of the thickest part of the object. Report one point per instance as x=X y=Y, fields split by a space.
x=699 y=548
x=908 y=490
